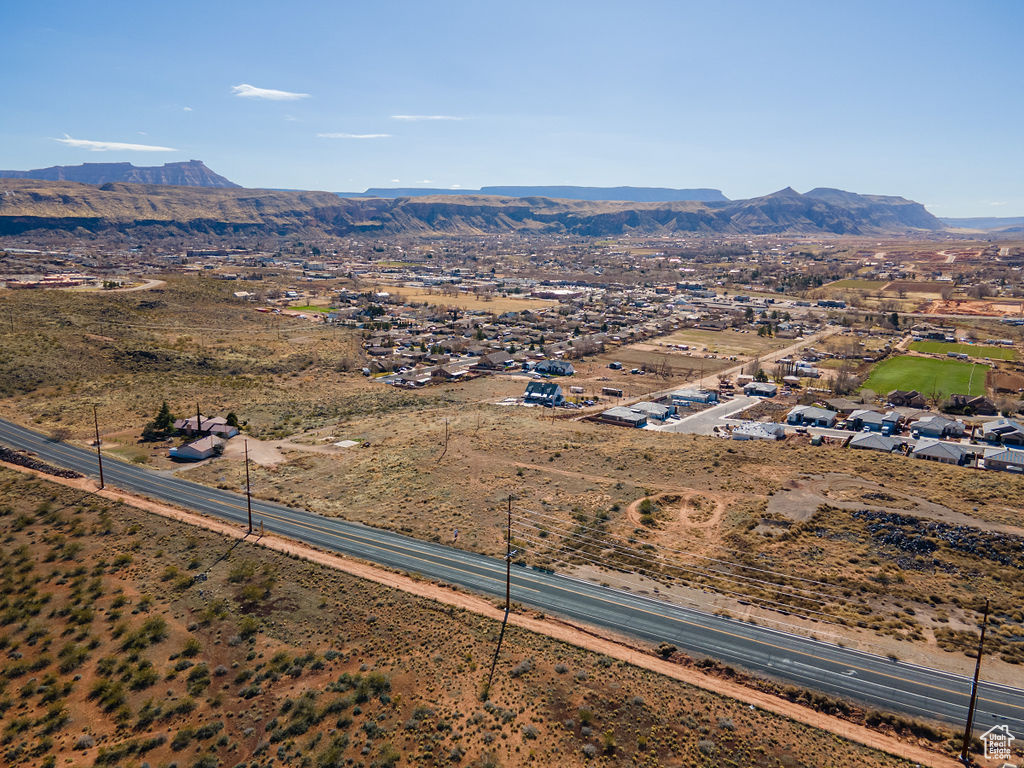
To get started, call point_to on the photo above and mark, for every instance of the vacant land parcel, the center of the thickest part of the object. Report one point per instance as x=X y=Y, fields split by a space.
x=931 y=377
x=471 y=302
x=118 y=653
x=725 y=342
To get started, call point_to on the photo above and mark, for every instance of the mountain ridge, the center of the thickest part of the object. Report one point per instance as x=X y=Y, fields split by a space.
x=27 y=205
x=625 y=194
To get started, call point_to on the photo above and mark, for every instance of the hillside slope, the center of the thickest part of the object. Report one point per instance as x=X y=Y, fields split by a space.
x=30 y=205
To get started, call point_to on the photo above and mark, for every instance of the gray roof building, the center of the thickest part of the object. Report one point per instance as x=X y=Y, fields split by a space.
x=873 y=441
x=620 y=414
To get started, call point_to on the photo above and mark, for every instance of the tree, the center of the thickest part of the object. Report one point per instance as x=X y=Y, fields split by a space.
x=894 y=318
x=164 y=421
x=232 y=420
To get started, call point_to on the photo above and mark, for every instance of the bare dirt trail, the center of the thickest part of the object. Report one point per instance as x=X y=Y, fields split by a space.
x=583 y=637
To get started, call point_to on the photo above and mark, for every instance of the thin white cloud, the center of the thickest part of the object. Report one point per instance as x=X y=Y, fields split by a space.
x=424 y=181
x=396 y=181
x=456 y=186
x=247 y=91
x=112 y=146
x=186 y=109
x=1001 y=202
x=414 y=118
x=353 y=135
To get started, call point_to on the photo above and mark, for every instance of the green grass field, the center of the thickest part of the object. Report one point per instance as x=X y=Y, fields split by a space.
x=928 y=376
x=974 y=350
x=309 y=308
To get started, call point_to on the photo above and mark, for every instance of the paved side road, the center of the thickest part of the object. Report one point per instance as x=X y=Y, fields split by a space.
x=704 y=422
x=872 y=680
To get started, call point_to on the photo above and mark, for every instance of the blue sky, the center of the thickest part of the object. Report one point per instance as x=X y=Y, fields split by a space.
x=920 y=99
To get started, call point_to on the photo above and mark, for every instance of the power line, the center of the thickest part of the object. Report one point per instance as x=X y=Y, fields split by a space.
x=764 y=602
x=693 y=554
x=682 y=569
x=730 y=578
x=634 y=553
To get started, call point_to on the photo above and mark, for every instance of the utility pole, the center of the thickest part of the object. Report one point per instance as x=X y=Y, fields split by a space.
x=199 y=420
x=445 y=440
x=508 y=559
x=248 y=492
x=508 y=597
x=99 y=453
x=969 y=727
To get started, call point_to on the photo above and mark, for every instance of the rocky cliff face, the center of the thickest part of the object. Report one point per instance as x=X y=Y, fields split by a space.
x=191 y=174
x=29 y=204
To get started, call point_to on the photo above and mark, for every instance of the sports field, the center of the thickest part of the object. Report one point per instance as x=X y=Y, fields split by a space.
x=974 y=350
x=928 y=376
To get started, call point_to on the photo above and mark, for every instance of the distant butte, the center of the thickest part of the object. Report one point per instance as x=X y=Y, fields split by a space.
x=191 y=174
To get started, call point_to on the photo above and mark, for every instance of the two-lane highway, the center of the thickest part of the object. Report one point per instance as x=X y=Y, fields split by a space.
x=869 y=679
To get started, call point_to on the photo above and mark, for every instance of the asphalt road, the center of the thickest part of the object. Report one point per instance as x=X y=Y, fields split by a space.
x=871 y=680
x=704 y=422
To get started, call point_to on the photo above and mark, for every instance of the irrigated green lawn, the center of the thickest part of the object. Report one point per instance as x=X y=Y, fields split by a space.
x=928 y=376
x=974 y=350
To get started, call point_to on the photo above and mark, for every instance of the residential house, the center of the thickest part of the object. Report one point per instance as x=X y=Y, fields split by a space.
x=555 y=367
x=759 y=430
x=1006 y=459
x=197 y=450
x=203 y=425
x=545 y=393
x=760 y=389
x=681 y=396
x=970 y=406
x=1003 y=431
x=811 y=416
x=842 y=405
x=493 y=361
x=873 y=441
x=938 y=427
x=885 y=423
x=624 y=416
x=906 y=399
x=946 y=453
x=655 y=411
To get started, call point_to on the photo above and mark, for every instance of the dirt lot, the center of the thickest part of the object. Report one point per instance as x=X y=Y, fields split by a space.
x=131 y=638
x=496 y=304
x=974 y=307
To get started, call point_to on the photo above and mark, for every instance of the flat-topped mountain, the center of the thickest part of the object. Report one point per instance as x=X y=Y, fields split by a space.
x=27 y=205
x=628 y=194
x=191 y=174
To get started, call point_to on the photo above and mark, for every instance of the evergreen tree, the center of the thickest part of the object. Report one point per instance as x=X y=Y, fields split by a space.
x=164 y=421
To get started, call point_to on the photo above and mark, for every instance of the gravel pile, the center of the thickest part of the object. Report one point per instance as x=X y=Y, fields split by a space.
x=24 y=460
